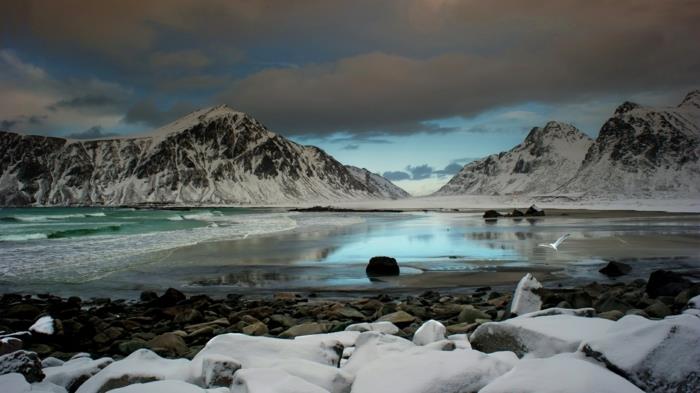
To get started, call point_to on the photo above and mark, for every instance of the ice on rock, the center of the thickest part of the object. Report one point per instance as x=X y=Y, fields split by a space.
x=371 y=346
x=429 y=372
x=43 y=325
x=141 y=366
x=170 y=386
x=217 y=370
x=524 y=299
x=563 y=373
x=74 y=372
x=658 y=356
x=268 y=380
x=694 y=303
x=381 y=326
x=313 y=360
x=51 y=362
x=538 y=336
x=431 y=331
x=461 y=341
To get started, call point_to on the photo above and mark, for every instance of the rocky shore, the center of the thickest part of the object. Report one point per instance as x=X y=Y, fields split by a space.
x=490 y=329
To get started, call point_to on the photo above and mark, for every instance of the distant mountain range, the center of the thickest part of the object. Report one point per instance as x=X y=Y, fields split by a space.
x=211 y=156
x=641 y=152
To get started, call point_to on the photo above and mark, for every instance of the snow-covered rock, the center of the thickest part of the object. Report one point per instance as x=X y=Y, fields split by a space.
x=170 y=386
x=377 y=184
x=74 y=372
x=15 y=383
x=559 y=374
x=22 y=362
x=312 y=360
x=217 y=370
x=429 y=372
x=269 y=380
x=547 y=159
x=382 y=327
x=214 y=155
x=431 y=331
x=542 y=336
x=658 y=356
x=141 y=366
x=345 y=338
x=524 y=299
x=694 y=302
x=374 y=345
x=43 y=325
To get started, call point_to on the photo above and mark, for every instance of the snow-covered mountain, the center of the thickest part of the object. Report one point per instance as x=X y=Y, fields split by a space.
x=378 y=184
x=547 y=159
x=640 y=152
x=645 y=152
x=214 y=155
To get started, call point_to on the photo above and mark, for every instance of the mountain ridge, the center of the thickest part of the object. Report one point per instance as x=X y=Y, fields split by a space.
x=215 y=155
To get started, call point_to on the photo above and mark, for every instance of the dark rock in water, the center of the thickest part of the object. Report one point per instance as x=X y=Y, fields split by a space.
x=382 y=266
x=666 y=283
x=22 y=311
x=517 y=213
x=492 y=214
x=148 y=296
x=23 y=362
x=171 y=297
x=533 y=211
x=615 y=269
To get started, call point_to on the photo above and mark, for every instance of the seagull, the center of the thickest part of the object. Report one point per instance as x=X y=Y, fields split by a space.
x=556 y=244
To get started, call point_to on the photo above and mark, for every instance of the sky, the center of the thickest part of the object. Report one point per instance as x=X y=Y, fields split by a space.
x=411 y=89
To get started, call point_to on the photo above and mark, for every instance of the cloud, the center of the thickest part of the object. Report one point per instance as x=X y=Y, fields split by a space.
x=396 y=175
x=420 y=171
x=86 y=101
x=449 y=170
x=189 y=59
x=21 y=121
x=93 y=132
x=148 y=113
x=351 y=146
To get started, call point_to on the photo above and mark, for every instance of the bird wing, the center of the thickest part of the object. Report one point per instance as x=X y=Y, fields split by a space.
x=561 y=240
x=544 y=245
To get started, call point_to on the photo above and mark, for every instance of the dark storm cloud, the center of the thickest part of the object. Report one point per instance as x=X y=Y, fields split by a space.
x=412 y=62
x=91 y=133
x=396 y=175
x=21 y=121
x=87 y=101
x=148 y=113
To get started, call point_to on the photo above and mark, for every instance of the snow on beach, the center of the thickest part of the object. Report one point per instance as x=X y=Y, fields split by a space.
x=551 y=350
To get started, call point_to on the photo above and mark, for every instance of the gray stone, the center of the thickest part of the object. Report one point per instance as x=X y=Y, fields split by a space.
x=22 y=362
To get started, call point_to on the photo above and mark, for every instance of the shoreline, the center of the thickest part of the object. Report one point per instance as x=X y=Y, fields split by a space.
x=130 y=323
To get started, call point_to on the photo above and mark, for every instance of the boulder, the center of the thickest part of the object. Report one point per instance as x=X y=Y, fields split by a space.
x=140 y=367
x=491 y=214
x=429 y=372
x=269 y=380
x=430 y=332
x=304 y=329
x=615 y=269
x=75 y=372
x=22 y=362
x=10 y=344
x=538 y=336
x=255 y=329
x=525 y=300
x=469 y=314
x=534 y=211
x=382 y=266
x=658 y=310
x=517 y=213
x=382 y=327
x=559 y=374
x=657 y=356
x=169 y=386
x=666 y=283
x=148 y=296
x=398 y=318
x=169 y=344
x=218 y=370
x=171 y=297
x=46 y=326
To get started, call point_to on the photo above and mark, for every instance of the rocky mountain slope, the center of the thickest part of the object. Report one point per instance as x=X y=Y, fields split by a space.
x=645 y=151
x=215 y=155
x=377 y=184
x=640 y=152
x=547 y=159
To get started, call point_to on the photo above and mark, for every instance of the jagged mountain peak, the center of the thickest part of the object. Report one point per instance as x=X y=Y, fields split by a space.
x=626 y=106
x=552 y=131
x=691 y=100
x=219 y=113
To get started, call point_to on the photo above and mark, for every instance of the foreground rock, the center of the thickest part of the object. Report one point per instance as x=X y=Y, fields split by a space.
x=658 y=356
x=615 y=269
x=525 y=300
x=22 y=362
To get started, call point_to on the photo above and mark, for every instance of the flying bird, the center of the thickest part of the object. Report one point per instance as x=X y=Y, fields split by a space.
x=556 y=244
